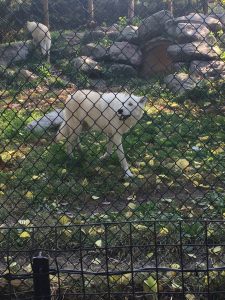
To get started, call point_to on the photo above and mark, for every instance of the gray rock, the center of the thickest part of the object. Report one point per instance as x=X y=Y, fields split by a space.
x=187 y=32
x=208 y=69
x=126 y=53
x=154 y=25
x=7 y=73
x=179 y=67
x=113 y=31
x=94 y=36
x=211 y=22
x=73 y=38
x=221 y=41
x=94 y=50
x=99 y=85
x=193 y=51
x=120 y=70
x=180 y=83
x=27 y=75
x=13 y=52
x=220 y=17
x=51 y=120
x=87 y=65
x=129 y=34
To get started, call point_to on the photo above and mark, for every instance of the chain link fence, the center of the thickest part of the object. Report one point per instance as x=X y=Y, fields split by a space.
x=112 y=151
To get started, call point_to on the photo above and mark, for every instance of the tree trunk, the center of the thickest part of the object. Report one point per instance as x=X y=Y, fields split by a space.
x=205 y=5
x=45 y=13
x=170 y=6
x=90 y=11
x=130 y=9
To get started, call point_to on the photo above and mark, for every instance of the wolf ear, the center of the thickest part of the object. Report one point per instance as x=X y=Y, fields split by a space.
x=143 y=100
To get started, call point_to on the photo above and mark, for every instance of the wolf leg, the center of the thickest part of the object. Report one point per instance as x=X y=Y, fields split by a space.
x=117 y=139
x=73 y=140
x=109 y=150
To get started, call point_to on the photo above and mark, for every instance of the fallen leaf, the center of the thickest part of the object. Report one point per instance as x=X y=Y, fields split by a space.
x=163 y=231
x=131 y=205
x=29 y=195
x=64 y=220
x=140 y=227
x=215 y=250
x=150 y=254
x=24 y=235
x=93 y=231
x=99 y=243
x=150 y=285
x=121 y=279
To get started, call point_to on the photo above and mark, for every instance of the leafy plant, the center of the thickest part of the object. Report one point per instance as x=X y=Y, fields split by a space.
x=123 y=22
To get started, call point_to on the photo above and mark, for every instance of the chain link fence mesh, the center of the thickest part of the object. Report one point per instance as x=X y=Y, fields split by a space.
x=112 y=149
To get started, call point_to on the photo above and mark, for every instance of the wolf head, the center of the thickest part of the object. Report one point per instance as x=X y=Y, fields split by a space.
x=132 y=106
x=31 y=26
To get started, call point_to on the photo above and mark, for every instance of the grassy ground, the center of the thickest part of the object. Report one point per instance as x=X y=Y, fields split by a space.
x=177 y=154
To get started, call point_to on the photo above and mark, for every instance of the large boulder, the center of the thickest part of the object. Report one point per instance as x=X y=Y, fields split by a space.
x=13 y=52
x=154 y=25
x=95 y=50
x=180 y=83
x=126 y=53
x=221 y=41
x=220 y=17
x=187 y=32
x=27 y=75
x=73 y=38
x=208 y=69
x=87 y=65
x=93 y=36
x=211 y=22
x=193 y=51
x=155 y=58
x=120 y=70
x=129 y=34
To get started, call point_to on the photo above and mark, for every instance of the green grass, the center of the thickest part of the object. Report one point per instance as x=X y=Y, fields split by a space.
x=39 y=176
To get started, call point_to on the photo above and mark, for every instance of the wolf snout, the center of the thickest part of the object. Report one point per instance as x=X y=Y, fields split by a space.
x=120 y=111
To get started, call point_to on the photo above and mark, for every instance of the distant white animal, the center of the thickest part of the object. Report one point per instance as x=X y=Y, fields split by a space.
x=41 y=36
x=113 y=114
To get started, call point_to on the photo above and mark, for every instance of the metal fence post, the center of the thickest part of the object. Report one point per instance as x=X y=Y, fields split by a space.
x=41 y=278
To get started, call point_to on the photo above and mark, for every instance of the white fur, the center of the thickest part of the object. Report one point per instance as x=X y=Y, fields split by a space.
x=101 y=112
x=41 y=36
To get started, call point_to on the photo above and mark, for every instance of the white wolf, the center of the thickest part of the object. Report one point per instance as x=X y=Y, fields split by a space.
x=41 y=36
x=113 y=114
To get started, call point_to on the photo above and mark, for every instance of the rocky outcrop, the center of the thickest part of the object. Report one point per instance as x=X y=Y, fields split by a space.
x=129 y=34
x=193 y=51
x=94 y=50
x=87 y=65
x=27 y=75
x=209 y=21
x=13 y=52
x=154 y=25
x=126 y=53
x=208 y=69
x=120 y=70
x=180 y=83
x=187 y=32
